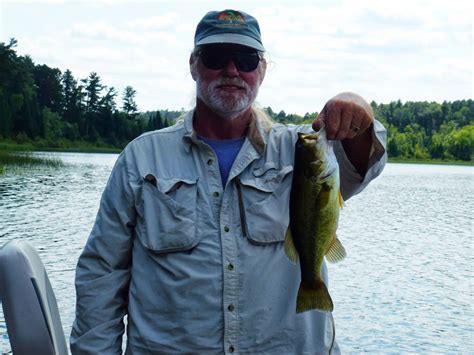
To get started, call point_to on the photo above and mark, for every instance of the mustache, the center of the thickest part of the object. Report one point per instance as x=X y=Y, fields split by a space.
x=230 y=81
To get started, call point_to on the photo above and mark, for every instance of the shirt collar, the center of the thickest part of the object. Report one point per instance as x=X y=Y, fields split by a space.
x=257 y=133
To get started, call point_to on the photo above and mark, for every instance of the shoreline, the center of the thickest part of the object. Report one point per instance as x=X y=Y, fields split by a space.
x=430 y=161
x=84 y=147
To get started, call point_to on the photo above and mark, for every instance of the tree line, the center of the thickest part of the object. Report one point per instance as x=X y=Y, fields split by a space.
x=418 y=130
x=429 y=130
x=42 y=103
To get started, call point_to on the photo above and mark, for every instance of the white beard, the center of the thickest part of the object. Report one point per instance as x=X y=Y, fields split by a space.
x=227 y=105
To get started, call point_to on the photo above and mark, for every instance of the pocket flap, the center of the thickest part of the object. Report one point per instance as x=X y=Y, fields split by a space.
x=266 y=178
x=172 y=184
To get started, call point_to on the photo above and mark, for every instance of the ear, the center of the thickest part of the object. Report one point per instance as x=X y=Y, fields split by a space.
x=193 y=66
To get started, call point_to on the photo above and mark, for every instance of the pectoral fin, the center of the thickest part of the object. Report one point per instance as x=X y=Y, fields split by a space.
x=336 y=251
x=340 y=200
x=290 y=249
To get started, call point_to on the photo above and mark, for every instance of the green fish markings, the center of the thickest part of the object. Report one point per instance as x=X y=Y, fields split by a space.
x=315 y=202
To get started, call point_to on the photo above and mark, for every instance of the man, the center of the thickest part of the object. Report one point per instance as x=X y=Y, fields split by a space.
x=188 y=241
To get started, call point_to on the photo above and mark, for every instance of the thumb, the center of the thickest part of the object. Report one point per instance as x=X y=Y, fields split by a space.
x=318 y=123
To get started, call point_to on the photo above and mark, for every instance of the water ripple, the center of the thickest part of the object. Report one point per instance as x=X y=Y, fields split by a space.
x=405 y=286
x=54 y=210
x=409 y=240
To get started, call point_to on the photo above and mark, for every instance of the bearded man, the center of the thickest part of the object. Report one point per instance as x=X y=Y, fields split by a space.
x=188 y=241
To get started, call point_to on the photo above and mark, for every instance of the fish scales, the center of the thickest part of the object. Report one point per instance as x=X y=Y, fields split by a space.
x=314 y=212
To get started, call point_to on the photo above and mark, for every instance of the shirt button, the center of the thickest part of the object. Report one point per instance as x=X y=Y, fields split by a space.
x=215 y=194
x=230 y=267
x=226 y=229
x=231 y=349
x=231 y=307
x=210 y=162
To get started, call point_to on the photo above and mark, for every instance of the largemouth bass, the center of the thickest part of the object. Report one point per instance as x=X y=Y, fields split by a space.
x=314 y=212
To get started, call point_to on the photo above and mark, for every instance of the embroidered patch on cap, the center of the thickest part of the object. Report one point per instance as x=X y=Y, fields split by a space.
x=231 y=16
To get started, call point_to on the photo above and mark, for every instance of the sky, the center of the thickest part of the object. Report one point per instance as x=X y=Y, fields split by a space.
x=385 y=51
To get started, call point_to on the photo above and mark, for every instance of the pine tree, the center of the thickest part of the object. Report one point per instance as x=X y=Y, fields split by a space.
x=129 y=105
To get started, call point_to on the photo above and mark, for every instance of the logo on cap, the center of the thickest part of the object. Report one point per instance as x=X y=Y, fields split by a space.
x=233 y=17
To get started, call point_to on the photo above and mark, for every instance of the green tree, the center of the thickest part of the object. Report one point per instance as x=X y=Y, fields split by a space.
x=270 y=112
x=53 y=124
x=155 y=122
x=129 y=105
x=9 y=67
x=92 y=90
x=26 y=113
x=416 y=140
x=72 y=109
x=310 y=117
x=393 y=138
x=106 y=124
x=462 y=146
x=281 y=116
x=18 y=102
x=441 y=141
x=49 y=89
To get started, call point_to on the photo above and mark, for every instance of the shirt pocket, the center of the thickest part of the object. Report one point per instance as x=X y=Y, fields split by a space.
x=168 y=214
x=264 y=203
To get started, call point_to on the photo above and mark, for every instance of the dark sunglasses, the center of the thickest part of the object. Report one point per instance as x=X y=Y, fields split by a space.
x=218 y=58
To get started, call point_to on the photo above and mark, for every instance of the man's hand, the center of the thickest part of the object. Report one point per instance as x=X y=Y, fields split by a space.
x=345 y=116
x=348 y=117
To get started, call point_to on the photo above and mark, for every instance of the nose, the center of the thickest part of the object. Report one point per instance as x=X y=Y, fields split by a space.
x=230 y=69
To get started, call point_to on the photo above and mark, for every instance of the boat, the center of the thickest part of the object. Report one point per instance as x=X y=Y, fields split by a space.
x=28 y=301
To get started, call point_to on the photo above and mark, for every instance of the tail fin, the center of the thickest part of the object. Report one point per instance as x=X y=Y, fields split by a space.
x=314 y=297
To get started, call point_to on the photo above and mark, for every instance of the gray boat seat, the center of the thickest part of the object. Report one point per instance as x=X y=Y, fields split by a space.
x=28 y=301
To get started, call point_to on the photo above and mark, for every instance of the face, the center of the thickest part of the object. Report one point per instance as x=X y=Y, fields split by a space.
x=220 y=84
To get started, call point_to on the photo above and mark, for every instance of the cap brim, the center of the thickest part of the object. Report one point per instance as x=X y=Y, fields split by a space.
x=234 y=38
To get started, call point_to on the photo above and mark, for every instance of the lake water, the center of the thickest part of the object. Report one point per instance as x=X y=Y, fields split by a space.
x=406 y=285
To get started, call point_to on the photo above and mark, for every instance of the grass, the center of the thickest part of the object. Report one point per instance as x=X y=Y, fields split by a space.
x=11 y=160
x=61 y=145
x=430 y=161
x=82 y=149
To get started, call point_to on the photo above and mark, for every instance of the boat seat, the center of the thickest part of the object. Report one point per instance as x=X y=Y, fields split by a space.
x=28 y=301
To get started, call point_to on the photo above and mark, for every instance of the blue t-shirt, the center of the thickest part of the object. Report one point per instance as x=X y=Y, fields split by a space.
x=226 y=151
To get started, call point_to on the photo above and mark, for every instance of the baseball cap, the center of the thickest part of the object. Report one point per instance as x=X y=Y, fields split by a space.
x=229 y=26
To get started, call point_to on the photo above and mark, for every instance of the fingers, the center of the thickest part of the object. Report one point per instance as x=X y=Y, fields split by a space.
x=332 y=114
x=345 y=127
x=344 y=119
x=319 y=122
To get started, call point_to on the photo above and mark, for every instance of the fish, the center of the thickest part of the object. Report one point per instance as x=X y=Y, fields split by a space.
x=315 y=202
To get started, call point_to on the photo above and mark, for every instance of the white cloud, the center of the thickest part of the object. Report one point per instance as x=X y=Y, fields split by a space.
x=102 y=32
x=167 y=21
x=383 y=49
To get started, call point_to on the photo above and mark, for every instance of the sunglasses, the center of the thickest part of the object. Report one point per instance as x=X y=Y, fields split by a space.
x=218 y=58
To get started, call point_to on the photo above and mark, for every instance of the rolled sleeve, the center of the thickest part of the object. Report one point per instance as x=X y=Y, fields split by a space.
x=103 y=271
x=351 y=181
